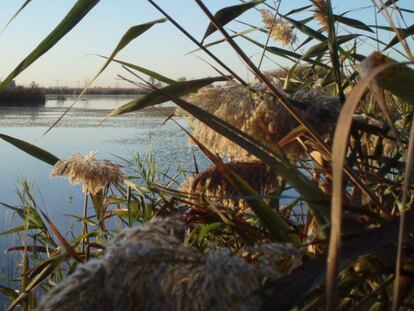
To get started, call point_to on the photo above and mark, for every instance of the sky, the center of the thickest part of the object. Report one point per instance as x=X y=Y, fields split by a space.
x=72 y=62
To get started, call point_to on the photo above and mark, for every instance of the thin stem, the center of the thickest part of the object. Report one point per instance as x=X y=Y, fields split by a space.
x=333 y=51
x=269 y=35
x=85 y=242
x=389 y=18
x=401 y=231
x=129 y=206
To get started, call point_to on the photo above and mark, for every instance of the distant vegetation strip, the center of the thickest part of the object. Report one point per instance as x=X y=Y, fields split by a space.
x=22 y=96
x=94 y=91
x=36 y=96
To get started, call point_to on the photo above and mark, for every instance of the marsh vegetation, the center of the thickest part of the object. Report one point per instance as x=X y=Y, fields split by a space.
x=17 y=96
x=308 y=199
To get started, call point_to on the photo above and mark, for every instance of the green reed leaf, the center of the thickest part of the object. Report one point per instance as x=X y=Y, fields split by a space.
x=226 y=15
x=302 y=27
x=205 y=230
x=131 y=34
x=16 y=230
x=32 y=150
x=145 y=71
x=294 y=11
x=10 y=293
x=224 y=40
x=321 y=48
x=351 y=22
x=402 y=35
x=70 y=250
x=75 y=15
x=285 y=53
x=16 y=14
x=157 y=97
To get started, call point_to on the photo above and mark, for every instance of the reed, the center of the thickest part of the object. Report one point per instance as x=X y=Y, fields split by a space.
x=317 y=163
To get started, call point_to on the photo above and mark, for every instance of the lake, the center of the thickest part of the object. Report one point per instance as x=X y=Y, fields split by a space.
x=79 y=131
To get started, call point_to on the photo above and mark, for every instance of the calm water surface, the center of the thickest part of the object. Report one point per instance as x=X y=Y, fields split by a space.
x=79 y=131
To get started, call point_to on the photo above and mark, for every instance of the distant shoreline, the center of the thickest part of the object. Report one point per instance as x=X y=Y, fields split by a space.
x=99 y=91
x=72 y=96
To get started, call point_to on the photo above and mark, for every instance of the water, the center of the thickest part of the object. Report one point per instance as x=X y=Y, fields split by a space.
x=80 y=131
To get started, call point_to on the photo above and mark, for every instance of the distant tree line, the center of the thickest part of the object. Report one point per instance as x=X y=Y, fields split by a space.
x=93 y=91
x=17 y=95
x=14 y=95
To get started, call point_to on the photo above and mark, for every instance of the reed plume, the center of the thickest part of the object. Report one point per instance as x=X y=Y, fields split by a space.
x=214 y=185
x=279 y=30
x=149 y=268
x=260 y=115
x=320 y=13
x=93 y=174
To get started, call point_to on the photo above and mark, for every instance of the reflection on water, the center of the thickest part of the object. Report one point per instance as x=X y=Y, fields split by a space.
x=80 y=131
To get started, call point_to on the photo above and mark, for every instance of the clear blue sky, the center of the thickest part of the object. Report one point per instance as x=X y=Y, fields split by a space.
x=161 y=48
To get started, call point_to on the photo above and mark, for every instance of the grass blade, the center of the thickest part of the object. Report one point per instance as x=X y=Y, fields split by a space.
x=10 y=293
x=32 y=150
x=131 y=34
x=294 y=11
x=305 y=29
x=226 y=15
x=71 y=251
x=75 y=15
x=224 y=40
x=145 y=71
x=157 y=97
x=403 y=34
x=351 y=22
x=320 y=48
x=15 y=15
x=284 y=53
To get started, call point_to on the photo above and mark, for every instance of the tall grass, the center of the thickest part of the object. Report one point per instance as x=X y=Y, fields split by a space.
x=342 y=107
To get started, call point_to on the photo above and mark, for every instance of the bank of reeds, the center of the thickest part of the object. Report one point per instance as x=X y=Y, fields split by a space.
x=321 y=164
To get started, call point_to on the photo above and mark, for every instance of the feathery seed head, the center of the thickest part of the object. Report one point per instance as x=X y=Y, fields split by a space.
x=149 y=268
x=94 y=174
x=279 y=30
x=321 y=13
x=260 y=115
x=214 y=186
